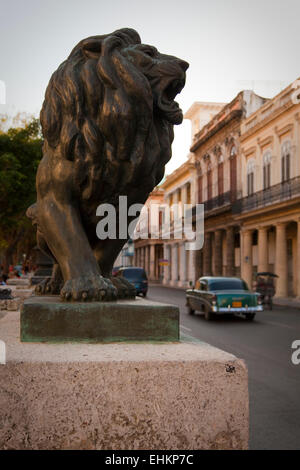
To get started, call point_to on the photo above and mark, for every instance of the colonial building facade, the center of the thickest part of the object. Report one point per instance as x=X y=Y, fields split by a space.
x=269 y=210
x=217 y=151
x=148 y=245
x=179 y=189
x=244 y=167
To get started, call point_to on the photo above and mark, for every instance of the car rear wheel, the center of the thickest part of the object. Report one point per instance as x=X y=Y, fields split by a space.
x=207 y=314
x=250 y=316
x=190 y=311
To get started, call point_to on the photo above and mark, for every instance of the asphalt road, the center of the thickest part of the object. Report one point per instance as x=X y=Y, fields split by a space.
x=265 y=345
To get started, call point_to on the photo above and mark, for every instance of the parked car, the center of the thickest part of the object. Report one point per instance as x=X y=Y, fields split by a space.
x=223 y=295
x=115 y=270
x=137 y=277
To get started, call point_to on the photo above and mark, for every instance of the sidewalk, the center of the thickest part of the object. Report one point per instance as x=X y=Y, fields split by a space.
x=287 y=302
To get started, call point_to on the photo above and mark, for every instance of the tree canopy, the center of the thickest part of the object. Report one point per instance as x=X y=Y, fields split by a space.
x=20 y=153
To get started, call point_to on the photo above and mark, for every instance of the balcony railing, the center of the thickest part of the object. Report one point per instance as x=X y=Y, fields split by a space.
x=220 y=201
x=275 y=194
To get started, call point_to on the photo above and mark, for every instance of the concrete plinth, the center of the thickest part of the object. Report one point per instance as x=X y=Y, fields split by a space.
x=185 y=395
x=50 y=319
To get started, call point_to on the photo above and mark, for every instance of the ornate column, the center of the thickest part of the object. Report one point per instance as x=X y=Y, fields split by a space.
x=183 y=273
x=175 y=202
x=152 y=262
x=147 y=260
x=230 y=259
x=139 y=257
x=281 y=261
x=174 y=266
x=207 y=254
x=192 y=268
x=263 y=263
x=144 y=257
x=183 y=197
x=166 y=269
x=218 y=253
x=246 y=258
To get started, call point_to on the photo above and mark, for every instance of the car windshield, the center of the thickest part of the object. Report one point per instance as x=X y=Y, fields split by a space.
x=134 y=274
x=228 y=284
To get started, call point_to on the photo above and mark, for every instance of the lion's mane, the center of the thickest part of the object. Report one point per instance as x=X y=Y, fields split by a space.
x=98 y=113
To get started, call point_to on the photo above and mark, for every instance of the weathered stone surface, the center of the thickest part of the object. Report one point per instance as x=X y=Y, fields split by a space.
x=120 y=396
x=24 y=282
x=10 y=304
x=50 y=319
x=13 y=304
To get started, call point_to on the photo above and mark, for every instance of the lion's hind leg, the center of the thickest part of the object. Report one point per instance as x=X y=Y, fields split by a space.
x=51 y=285
x=70 y=246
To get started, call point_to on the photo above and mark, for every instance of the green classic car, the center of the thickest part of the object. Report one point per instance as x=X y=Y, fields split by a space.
x=218 y=295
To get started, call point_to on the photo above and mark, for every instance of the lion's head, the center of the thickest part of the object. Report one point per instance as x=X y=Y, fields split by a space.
x=110 y=108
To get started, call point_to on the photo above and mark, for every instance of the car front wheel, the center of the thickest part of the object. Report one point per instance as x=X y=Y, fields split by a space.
x=190 y=311
x=250 y=316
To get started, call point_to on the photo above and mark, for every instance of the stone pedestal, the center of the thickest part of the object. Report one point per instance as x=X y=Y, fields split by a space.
x=49 y=319
x=178 y=396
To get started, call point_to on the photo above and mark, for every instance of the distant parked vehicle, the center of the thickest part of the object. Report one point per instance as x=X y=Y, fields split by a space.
x=223 y=295
x=137 y=277
x=115 y=270
x=265 y=287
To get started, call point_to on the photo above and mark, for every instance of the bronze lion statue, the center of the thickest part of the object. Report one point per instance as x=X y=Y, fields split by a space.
x=107 y=121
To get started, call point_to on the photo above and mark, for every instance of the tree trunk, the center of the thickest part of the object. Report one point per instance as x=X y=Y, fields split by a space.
x=9 y=252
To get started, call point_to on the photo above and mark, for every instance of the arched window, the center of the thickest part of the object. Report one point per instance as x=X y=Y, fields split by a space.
x=188 y=193
x=286 y=160
x=199 y=182
x=209 y=181
x=233 y=172
x=220 y=175
x=267 y=170
x=250 y=176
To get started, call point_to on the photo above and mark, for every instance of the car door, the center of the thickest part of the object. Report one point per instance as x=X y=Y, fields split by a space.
x=196 y=296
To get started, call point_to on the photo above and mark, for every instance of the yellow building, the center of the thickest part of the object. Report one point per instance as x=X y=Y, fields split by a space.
x=269 y=210
x=244 y=167
x=179 y=189
x=217 y=157
x=148 y=251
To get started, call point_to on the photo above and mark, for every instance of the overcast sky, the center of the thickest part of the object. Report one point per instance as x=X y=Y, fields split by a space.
x=230 y=45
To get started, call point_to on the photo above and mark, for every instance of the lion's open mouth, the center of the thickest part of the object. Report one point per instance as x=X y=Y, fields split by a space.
x=166 y=103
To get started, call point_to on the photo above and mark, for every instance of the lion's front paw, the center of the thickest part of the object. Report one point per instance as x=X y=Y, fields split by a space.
x=125 y=289
x=90 y=288
x=122 y=290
